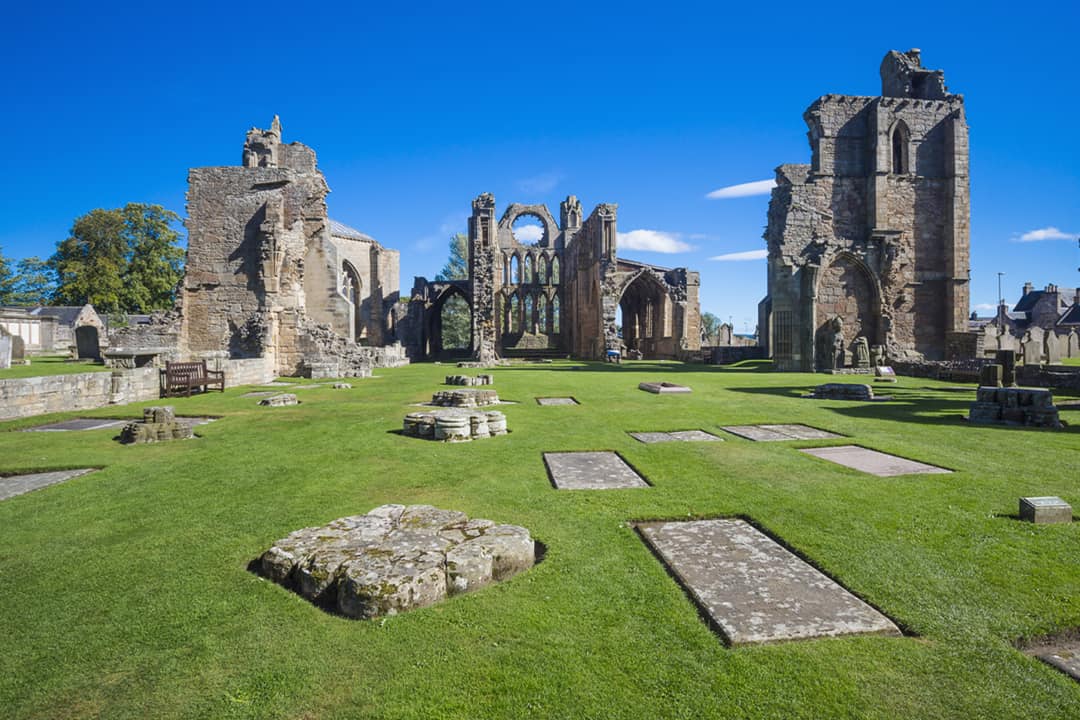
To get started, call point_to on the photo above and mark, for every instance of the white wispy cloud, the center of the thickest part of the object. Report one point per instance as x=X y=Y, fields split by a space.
x=758 y=187
x=440 y=239
x=528 y=233
x=652 y=241
x=984 y=307
x=1046 y=233
x=542 y=183
x=742 y=256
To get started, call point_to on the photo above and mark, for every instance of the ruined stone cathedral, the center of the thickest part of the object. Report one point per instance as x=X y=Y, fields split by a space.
x=558 y=295
x=871 y=240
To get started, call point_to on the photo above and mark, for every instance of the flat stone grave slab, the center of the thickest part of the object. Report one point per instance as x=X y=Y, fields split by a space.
x=663 y=388
x=1063 y=655
x=556 y=401
x=13 y=485
x=753 y=589
x=591 y=471
x=260 y=393
x=79 y=424
x=872 y=461
x=650 y=438
x=774 y=433
x=277 y=383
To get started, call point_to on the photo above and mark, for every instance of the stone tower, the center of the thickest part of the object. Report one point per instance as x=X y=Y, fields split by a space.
x=874 y=231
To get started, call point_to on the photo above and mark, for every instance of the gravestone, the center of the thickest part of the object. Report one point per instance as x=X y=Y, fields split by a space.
x=1007 y=360
x=663 y=388
x=872 y=461
x=990 y=375
x=13 y=485
x=280 y=400
x=396 y=558
x=1055 y=348
x=775 y=433
x=5 y=349
x=650 y=438
x=18 y=350
x=556 y=401
x=884 y=373
x=753 y=589
x=1032 y=346
x=1045 y=510
x=591 y=471
x=1072 y=344
x=842 y=391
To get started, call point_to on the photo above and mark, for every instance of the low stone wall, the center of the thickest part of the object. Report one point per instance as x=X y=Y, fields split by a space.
x=1048 y=376
x=728 y=354
x=25 y=397
x=248 y=371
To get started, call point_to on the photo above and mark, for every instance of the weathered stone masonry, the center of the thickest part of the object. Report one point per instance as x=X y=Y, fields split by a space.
x=560 y=294
x=874 y=231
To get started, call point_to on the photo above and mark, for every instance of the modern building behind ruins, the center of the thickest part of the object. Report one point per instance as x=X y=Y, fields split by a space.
x=874 y=231
x=559 y=294
x=272 y=286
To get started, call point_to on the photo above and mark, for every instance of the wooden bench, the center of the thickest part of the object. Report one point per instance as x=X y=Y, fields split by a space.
x=182 y=377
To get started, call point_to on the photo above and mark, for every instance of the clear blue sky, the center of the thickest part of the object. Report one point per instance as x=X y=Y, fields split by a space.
x=414 y=110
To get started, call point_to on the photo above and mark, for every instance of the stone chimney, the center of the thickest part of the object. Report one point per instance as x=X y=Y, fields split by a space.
x=1028 y=287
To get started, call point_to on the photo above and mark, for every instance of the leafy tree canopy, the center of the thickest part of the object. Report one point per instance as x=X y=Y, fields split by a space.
x=121 y=260
x=7 y=279
x=456 y=318
x=34 y=283
x=710 y=326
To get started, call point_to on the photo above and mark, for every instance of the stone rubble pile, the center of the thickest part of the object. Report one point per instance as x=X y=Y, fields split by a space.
x=454 y=425
x=396 y=558
x=158 y=425
x=470 y=380
x=465 y=398
x=1014 y=406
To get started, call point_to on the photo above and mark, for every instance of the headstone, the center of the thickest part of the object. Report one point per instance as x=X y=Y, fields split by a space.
x=396 y=558
x=1055 y=348
x=1072 y=344
x=872 y=461
x=5 y=349
x=755 y=590
x=990 y=375
x=1045 y=510
x=1032 y=346
x=18 y=350
x=861 y=353
x=1007 y=360
x=884 y=373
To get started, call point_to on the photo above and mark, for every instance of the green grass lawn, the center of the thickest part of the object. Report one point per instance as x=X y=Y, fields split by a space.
x=50 y=365
x=1071 y=361
x=126 y=594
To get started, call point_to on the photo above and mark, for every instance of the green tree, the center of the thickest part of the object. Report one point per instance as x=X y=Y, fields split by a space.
x=7 y=280
x=710 y=326
x=456 y=317
x=121 y=260
x=34 y=283
x=457 y=266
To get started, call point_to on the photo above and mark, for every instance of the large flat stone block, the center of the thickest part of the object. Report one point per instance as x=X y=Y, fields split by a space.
x=1045 y=510
x=650 y=438
x=591 y=471
x=755 y=590
x=13 y=485
x=872 y=461
x=774 y=433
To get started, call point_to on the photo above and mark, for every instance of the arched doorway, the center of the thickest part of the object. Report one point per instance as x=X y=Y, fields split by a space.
x=845 y=290
x=450 y=325
x=87 y=343
x=644 y=315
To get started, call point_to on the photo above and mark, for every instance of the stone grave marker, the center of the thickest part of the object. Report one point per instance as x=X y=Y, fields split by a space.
x=990 y=375
x=775 y=433
x=1045 y=510
x=1063 y=655
x=279 y=400
x=1007 y=360
x=753 y=589
x=872 y=461
x=6 y=343
x=13 y=485
x=557 y=401
x=591 y=471
x=663 y=388
x=675 y=436
x=884 y=373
